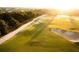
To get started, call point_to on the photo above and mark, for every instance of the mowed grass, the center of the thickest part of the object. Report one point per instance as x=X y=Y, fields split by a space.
x=38 y=37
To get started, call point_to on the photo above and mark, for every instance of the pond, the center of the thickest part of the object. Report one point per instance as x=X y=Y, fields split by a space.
x=74 y=36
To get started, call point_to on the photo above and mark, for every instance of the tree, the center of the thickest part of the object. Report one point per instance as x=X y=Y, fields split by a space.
x=12 y=23
x=3 y=27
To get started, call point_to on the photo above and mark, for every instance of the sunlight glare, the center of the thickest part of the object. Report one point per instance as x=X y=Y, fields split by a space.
x=58 y=4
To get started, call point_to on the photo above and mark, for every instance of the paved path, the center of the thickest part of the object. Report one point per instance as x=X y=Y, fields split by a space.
x=13 y=33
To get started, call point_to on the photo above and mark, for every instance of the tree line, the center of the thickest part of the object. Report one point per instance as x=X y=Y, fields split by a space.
x=10 y=19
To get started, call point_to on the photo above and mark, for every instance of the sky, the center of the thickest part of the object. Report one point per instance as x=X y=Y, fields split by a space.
x=59 y=4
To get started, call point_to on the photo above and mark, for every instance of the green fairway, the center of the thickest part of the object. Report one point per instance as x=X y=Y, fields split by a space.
x=38 y=37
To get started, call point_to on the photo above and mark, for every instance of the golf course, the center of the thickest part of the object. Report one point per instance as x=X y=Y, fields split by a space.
x=37 y=37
